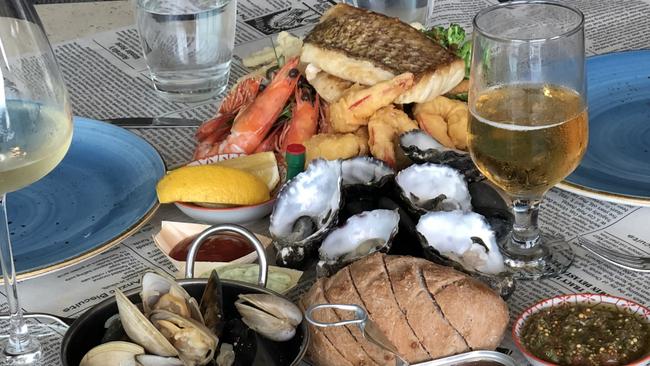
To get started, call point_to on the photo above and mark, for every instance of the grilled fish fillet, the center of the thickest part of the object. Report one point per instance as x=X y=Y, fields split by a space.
x=366 y=48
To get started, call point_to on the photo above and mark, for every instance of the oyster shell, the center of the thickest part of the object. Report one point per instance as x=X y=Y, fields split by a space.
x=306 y=208
x=420 y=147
x=112 y=353
x=365 y=171
x=465 y=238
x=361 y=235
x=271 y=316
x=433 y=187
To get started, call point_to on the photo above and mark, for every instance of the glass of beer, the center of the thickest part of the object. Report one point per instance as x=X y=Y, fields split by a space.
x=528 y=117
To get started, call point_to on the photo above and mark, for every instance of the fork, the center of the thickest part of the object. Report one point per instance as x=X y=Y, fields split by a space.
x=630 y=262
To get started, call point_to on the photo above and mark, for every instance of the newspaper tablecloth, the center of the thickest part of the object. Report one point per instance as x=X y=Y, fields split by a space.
x=107 y=78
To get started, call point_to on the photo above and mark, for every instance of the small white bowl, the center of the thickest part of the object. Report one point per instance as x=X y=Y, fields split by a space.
x=588 y=299
x=230 y=215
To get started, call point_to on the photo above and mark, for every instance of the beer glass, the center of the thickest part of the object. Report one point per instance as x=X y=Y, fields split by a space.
x=528 y=117
x=35 y=133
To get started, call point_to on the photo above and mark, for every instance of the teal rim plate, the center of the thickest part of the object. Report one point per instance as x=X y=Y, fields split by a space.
x=616 y=166
x=102 y=192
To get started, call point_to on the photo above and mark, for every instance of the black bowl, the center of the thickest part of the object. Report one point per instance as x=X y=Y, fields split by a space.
x=87 y=331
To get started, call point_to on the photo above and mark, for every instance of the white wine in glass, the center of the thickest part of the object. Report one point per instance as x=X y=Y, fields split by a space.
x=528 y=125
x=35 y=134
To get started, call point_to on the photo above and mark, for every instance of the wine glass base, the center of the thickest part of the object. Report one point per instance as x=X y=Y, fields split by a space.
x=550 y=258
x=27 y=353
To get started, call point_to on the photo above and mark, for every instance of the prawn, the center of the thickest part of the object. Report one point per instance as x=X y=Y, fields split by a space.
x=383 y=128
x=304 y=118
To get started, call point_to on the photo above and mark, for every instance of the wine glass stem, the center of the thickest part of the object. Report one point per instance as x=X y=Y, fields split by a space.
x=525 y=232
x=19 y=341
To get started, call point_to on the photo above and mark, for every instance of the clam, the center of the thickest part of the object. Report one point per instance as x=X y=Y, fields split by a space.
x=270 y=316
x=421 y=147
x=152 y=360
x=193 y=341
x=140 y=330
x=111 y=354
x=305 y=210
x=162 y=293
x=226 y=355
x=361 y=235
x=433 y=187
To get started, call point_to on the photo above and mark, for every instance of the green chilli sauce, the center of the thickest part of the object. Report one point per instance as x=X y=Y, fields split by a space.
x=580 y=335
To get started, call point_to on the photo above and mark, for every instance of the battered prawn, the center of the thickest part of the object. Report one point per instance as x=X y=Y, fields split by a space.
x=445 y=120
x=357 y=104
x=384 y=127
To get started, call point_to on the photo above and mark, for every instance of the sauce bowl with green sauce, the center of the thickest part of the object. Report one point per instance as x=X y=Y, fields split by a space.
x=584 y=330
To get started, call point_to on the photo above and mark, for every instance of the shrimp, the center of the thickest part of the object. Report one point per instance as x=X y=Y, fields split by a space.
x=304 y=118
x=445 y=120
x=384 y=126
x=253 y=122
x=357 y=104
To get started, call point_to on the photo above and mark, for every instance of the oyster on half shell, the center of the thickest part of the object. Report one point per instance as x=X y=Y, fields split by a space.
x=365 y=170
x=306 y=208
x=434 y=187
x=361 y=235
x=464 y=237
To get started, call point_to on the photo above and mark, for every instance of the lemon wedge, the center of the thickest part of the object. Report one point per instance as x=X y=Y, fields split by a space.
x=212 y=184
x=262 y=165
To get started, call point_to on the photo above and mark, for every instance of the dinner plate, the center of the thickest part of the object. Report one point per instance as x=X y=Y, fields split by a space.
x=616 y=166
x=102 y=191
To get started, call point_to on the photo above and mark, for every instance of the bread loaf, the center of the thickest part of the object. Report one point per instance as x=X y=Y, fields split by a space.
x=427 y=311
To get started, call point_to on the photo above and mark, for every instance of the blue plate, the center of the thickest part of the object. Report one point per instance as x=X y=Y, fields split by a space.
x=102 y=191
x=616 y=166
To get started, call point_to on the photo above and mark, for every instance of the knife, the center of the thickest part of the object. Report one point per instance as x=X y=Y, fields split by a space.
x=154 y=122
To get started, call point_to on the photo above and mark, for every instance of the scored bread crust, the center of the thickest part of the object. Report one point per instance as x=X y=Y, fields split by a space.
x=338 y=290
x=373 y=285
x=340 y=337
x=430 y=325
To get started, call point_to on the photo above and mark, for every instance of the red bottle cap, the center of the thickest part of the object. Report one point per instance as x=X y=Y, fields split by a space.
x=296 y=149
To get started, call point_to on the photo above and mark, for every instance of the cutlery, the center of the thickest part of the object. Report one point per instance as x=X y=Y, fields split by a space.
x=630 y=262
x=154 y=122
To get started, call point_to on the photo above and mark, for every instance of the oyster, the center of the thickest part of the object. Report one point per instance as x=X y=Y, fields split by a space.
x=306 y=208
x=112 y=353
x=361 y=235
x=365 y=171
x=433 y=187
x=160 y=292
x=270 y=316
x=464 y=237
x=421 y=147
x=195 y=343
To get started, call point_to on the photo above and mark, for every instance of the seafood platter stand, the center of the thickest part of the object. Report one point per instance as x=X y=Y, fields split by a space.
x=103 y=249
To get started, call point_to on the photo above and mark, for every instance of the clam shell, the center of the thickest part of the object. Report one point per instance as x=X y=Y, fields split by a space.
x=111 y=354
x=140 y=330
x=154 y=286
x=274 y=305
x=192 y=351
x=151 y=360
x=271 y=316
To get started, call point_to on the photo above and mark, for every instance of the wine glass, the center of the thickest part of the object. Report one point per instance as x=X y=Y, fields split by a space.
x=528 y=117
x=35 y=133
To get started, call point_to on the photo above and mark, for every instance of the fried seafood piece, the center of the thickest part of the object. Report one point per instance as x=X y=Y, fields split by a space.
x=357 y=104
x=445 y=120
x=329 y=87
x=368 y=48
x=332 y=146
x=384 y=127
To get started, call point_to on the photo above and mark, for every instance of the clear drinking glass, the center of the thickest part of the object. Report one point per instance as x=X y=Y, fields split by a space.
x=187 y=45
x=528 y=117
x=35 y=133
x=408 y=11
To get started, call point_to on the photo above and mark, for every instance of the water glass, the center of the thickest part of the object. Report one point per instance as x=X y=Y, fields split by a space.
x=408 y=11
x=187 y=45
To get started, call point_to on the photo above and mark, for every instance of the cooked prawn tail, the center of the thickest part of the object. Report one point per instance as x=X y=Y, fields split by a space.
x=213 y=125
x=241 y=94
x=363 y=103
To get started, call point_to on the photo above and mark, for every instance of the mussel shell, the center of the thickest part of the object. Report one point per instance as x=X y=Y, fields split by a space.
x=421 y=148
x=212 y=305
